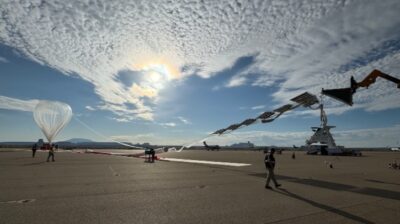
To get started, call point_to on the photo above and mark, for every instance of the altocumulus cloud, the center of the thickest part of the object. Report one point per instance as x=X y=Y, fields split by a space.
x=305 y=45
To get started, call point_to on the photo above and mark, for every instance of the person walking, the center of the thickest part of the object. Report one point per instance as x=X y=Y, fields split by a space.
x=270 y=165
x=51 y=153
x=34 y=148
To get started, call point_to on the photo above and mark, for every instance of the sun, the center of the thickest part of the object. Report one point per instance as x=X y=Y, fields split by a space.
x=156 y=75
x=162 y=67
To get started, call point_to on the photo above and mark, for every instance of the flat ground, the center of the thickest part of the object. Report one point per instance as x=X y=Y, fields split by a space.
x=88 y=188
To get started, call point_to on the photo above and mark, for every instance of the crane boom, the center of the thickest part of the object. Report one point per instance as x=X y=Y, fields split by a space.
x=345 y=95
x=371 y=78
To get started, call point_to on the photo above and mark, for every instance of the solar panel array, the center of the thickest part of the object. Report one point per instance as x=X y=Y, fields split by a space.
x=305 y=99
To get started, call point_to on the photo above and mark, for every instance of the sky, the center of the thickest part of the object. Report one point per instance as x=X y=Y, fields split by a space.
x=172 y=72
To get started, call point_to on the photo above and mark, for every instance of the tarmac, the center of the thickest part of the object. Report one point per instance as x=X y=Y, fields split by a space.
x=96 y=188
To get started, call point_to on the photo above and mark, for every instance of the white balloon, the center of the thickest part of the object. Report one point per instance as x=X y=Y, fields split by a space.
x=51 y=117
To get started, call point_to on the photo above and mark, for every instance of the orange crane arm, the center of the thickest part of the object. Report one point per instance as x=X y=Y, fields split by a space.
x=346 y=94
x=371 y=78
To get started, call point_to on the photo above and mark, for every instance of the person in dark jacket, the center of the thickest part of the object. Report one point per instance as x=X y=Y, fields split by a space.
x=270 y=165
x=153 y=155
x=34 y=148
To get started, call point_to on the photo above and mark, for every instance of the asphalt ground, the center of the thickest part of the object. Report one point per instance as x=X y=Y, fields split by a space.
x=93 y=188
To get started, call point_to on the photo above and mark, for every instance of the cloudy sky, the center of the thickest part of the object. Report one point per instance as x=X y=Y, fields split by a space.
x=171 y=72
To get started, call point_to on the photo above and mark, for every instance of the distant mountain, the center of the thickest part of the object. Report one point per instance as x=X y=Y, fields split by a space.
x=78 y=140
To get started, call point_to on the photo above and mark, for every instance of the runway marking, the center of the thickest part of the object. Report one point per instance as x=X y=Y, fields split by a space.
x=23 y=201
x=204 y=162
x=112 y=170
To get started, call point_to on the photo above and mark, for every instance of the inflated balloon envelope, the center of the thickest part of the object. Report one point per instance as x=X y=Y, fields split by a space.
x=52 y=117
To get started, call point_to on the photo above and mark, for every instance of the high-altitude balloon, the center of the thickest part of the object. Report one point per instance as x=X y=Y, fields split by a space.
x=51 y=117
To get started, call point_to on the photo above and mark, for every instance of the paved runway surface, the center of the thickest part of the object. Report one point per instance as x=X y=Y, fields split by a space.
x=89 y=188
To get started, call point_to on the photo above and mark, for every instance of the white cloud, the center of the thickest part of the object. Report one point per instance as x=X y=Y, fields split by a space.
x=372 y=137
x=17 y=104
x=4 y=60
x=236 y=81
x=168 y=124
x=152 y=138
x=90 y=108
x=141 y=91
x=139 y=138
x=120 y=119
x=264 y=81
x=300 y=44
x=259 y=107
x=321 y=49
x=184 y=120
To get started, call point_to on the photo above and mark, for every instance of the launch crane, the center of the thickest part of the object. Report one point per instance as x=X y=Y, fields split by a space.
x=322 y=140
x=345 y=95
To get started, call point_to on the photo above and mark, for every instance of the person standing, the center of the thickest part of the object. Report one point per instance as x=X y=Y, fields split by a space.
x=153 y=155
x=270 y=165
x=51 y=153
x=34 y=148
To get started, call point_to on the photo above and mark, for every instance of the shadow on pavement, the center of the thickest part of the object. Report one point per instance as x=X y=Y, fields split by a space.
x=32 y=164
x=322 y=206
x=337 y=186
x=380 y=182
